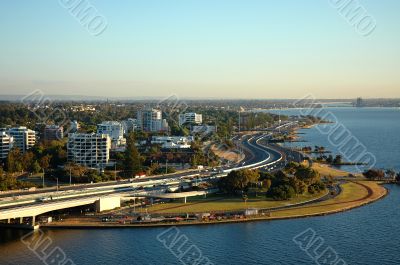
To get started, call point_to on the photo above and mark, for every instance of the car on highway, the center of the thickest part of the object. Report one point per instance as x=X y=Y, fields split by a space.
x=44 y=199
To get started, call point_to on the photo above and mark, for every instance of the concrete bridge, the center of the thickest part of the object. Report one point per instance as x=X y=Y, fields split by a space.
x=109 y=197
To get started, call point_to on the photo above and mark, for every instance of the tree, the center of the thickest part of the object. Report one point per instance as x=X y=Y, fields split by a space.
x=337 y=160
x=238 y=180
x=398 y=177
x=133 y=160
x=45 y=162
x=27 y=160
x=316 y=187
x=374 y=174
x=35 y=167
x=282 y=192
x=291 y=167
x=14 y=161
x=391 y=174
x=308 y=175
x=93 y=176
x=298 y=185
x=266 y=184
x=76 y=171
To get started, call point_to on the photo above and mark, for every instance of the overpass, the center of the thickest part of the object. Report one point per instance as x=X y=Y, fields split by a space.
x=31 y=205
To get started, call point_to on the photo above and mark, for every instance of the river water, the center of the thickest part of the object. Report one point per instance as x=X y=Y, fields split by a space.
x=366 y=235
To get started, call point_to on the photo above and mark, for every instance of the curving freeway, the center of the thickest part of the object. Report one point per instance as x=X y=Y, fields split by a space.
x=31 y=204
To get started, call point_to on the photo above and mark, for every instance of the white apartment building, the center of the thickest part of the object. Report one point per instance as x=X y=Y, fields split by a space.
x=90 y=150
x=6 y=143
x=24 y=138
x=150 y=120
x=190 y=118
x=115 y=130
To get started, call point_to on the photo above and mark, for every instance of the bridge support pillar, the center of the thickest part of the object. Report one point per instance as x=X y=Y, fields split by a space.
x=8 y=221
x=21 y=220
x=184 y=200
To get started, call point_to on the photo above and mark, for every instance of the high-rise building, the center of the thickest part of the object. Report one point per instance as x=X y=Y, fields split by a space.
x=24 y=138
x=53 y=132
x=190 y=118
x=6 y=143
x=115 y=130
x=150 y=120
x=90 y=150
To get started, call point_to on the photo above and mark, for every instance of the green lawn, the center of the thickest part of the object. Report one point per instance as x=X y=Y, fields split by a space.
x=353 y=195
x=220 y=203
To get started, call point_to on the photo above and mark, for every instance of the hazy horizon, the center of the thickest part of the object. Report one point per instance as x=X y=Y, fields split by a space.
x=200 y=49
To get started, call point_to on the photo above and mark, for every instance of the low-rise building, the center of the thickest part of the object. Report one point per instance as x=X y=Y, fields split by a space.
x=53 y=132
x=190 y=118
x=6 y=143
x=24 y=138
x=90 y=150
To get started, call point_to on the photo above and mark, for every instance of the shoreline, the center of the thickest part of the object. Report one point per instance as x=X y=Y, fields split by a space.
x=363 y=202
x=373 y=194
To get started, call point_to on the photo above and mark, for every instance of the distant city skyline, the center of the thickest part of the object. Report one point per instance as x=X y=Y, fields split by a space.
x=200 y=49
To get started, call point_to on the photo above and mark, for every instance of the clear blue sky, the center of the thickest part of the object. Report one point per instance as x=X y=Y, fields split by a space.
x=202 y=48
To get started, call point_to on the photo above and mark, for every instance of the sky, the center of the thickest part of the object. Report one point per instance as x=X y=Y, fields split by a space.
x=200 y=48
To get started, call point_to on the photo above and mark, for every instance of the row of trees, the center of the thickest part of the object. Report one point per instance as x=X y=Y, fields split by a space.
x=337 y=160
x=317 y=149
x=41 y=157
x=282 y=185
x=378 y=174
x=8 y=182
x=295 y=180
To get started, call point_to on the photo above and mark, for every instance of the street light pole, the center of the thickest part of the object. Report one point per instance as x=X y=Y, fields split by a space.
x=115 y=170
x=70 y=176
x=43 y=178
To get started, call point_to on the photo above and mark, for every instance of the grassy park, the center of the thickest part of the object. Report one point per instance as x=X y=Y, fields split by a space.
x=353 y=194
x=224 y=203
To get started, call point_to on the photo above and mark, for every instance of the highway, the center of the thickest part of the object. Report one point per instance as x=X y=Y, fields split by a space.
x=21 y=203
